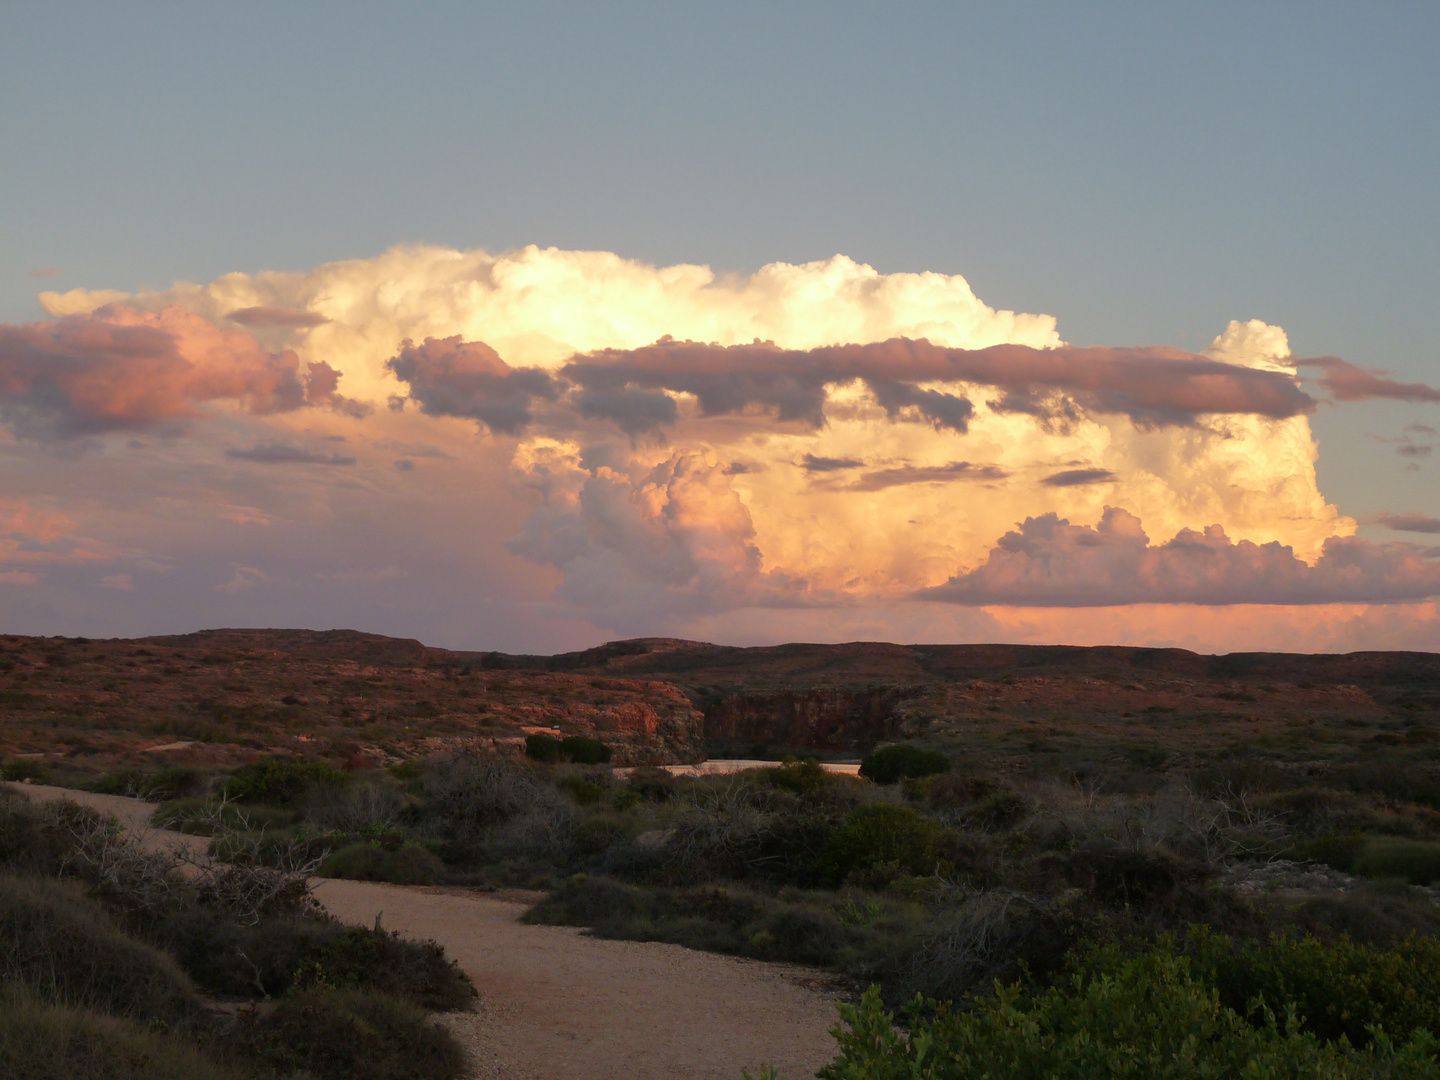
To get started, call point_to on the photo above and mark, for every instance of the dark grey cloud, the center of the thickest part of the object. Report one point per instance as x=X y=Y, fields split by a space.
x=902 y=475
x=448 y=377
x=1344 y=381
x=294 y=318
x=283 y=454
x=1080 y=477
x=1048 y=562
x=812 y=463
x=1152 y=386
x=1418 y=523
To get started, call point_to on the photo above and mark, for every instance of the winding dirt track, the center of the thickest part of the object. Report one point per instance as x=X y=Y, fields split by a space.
x=558 y=1005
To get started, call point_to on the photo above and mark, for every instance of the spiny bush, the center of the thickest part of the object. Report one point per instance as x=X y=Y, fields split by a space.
x=877 y=834
x=890 y=764
x=409 y=864
x=67 y=949
x=43 y=1042
x=22 y=769
x=348 y=1035
x=280 y=781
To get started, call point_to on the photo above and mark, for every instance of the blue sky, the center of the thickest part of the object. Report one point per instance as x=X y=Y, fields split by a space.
x=1144 y=173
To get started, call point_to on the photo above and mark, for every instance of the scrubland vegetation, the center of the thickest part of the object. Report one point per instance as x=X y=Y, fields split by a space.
x=1148 y=920
x=120 y=963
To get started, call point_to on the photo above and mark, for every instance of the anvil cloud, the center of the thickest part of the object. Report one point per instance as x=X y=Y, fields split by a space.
x=543 y=447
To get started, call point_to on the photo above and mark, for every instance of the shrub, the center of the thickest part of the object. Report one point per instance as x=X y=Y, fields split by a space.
x=652 y=785
x=543 y=748
x=349 y=1035
x=23 y=769
x=280 y=781
x=583 y=791
x=67 y=949
x=202 y=817
x=40 y=839
x=1335 y=849
x=160 y=785
x=876 y=834
x=1415 y=861
x=409 y=864
x=39 y=1042
x=269 y=959
x=1145 y=1018
x=583 y=750
x=1339 y=987
x=890 y=764
x=356 y=958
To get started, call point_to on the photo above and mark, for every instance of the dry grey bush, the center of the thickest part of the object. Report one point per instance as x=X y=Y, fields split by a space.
x=116 y=865
x=968 y=946
x=498 y=806
x=358 y=806
x=1213 y=830
x=260 y=875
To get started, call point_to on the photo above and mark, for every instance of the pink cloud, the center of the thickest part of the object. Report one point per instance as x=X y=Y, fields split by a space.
x=1344 y=381
x=121 y=369
x=1050 y=563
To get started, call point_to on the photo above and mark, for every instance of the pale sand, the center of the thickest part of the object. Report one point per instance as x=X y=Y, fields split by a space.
x=558 y=1005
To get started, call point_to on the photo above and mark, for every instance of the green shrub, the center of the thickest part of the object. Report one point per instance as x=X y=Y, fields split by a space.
x=1415 y=861
x=543 y=748
x=410 y=769
x=39 y=1042
x=1336 y=849
x=269 y=959
x=37 y=839
x=67 y=949
x=583 y=750
x=652 y=785
x=583 y=791
x=877 y=834
x=280 y=781
x=1145 y=1017
x=357 y=958
x=890 y=764
x=409 y=864
x=348 y=1035
x=24 y=769
x=1338 y=987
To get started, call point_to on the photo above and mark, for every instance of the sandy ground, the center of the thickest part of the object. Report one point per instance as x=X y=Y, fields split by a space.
x=558 y=1005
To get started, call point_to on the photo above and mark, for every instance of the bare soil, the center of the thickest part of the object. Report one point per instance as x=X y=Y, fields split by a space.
x=556 y=1004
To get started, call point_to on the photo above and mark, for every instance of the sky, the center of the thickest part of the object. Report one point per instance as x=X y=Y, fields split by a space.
x=529 y=327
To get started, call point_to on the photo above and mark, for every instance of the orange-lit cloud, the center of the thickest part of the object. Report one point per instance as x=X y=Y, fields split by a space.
x=637 y=449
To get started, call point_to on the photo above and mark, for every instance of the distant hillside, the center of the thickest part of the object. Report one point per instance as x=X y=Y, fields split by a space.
x=342 y=693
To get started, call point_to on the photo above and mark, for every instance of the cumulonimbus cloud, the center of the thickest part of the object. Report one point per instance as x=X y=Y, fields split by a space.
x=119 y=369
x=1047 y=562
x=1345 y=381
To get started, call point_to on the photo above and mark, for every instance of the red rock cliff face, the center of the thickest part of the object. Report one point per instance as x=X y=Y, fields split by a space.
x=830 y=719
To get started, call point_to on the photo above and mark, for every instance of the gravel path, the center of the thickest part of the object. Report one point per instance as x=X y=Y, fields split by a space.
x=558 y=1005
